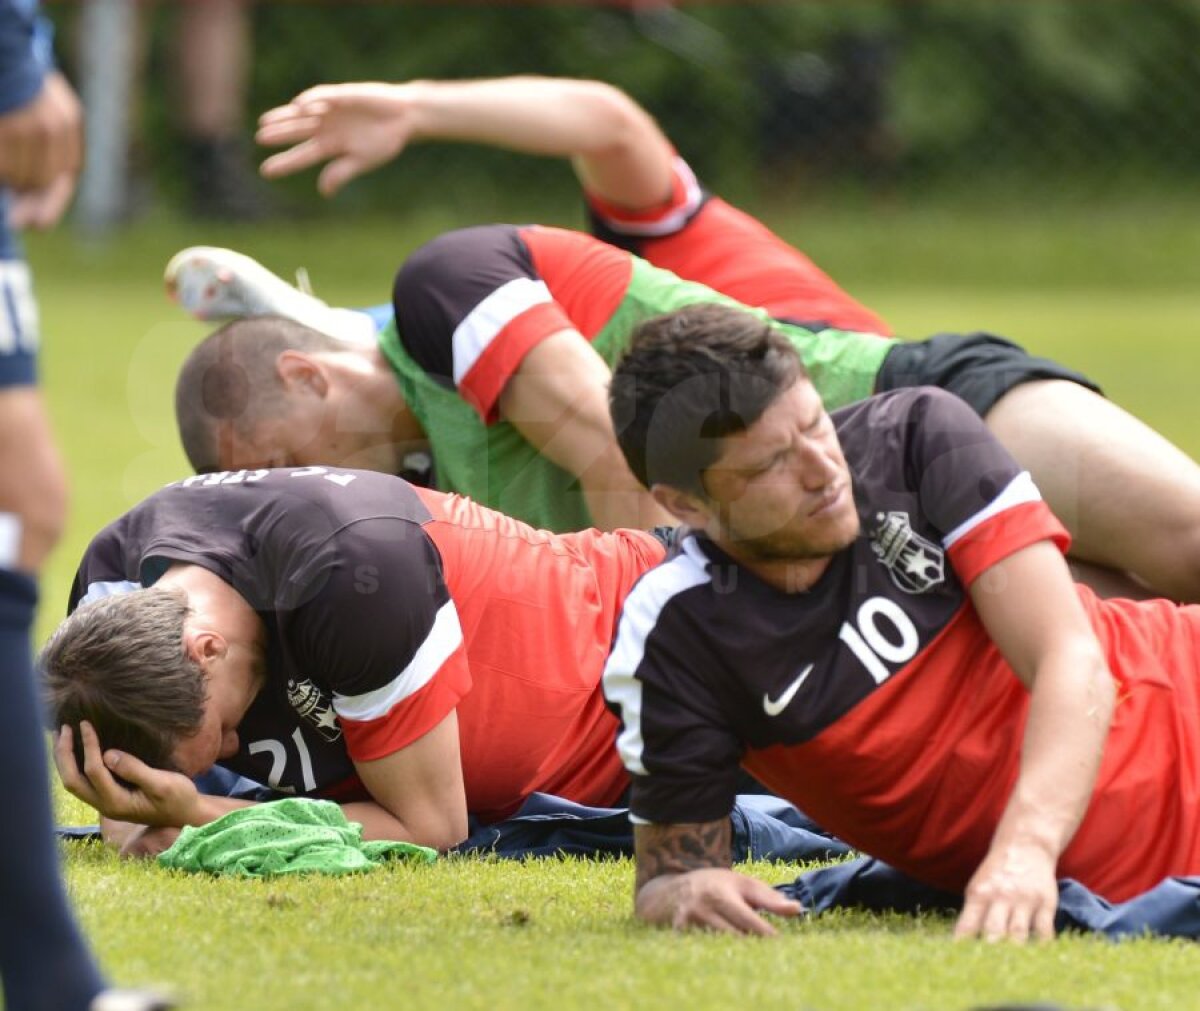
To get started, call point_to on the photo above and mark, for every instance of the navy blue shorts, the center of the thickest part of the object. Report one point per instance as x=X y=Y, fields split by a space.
x=978 y=367
x=18 y=325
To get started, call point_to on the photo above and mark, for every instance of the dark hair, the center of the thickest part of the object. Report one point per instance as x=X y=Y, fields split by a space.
x=120 y=663
x=690 y=378
x=230 y=378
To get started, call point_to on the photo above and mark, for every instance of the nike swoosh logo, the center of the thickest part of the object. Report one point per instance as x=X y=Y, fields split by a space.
x=781 y=703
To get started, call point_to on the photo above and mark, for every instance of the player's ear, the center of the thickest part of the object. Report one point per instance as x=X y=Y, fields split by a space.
x=299 y=372
x=684 y=506
x=204 y=645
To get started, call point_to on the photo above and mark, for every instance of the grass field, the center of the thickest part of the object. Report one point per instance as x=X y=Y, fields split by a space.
x=1114 y=291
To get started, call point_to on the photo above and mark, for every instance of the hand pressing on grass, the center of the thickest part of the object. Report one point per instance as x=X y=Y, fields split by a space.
x=684 y=881
x=715 y=898
x=1012 y=895
x=122 y=787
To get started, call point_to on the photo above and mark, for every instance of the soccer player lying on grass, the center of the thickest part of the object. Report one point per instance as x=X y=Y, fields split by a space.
x=338 y=634
x=871 y=614
x=505 y=336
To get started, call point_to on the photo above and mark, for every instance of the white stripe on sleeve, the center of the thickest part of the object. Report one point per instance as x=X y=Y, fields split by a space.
x=443 y=639
x=1019 y=490
x=639 y=616
x=674 y=219
x=473 y=335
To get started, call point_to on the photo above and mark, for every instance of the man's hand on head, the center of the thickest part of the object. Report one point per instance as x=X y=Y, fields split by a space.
x=141 y=794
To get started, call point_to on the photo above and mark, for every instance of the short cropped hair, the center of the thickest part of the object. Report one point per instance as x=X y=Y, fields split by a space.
x=120 y=663
x=690 y=378
x=230 y=379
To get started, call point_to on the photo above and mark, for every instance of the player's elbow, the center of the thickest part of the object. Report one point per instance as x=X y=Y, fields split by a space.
x=618 y=120
x=447 y=835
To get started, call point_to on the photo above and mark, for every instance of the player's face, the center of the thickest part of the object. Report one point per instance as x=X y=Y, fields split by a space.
x=208 y=745
x=309 y=434
x=781 y=489
x=224 y=708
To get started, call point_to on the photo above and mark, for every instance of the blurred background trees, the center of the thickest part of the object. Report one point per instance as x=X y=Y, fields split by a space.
x=1004 y=97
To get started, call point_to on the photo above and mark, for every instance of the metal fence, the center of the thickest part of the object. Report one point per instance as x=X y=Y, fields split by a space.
x=1088 y=97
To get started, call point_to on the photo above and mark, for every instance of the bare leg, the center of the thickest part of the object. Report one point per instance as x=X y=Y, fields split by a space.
x=213 y=53
x=1130 y=499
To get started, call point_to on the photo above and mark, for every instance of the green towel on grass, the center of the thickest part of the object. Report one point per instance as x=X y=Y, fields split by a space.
x=291 y=836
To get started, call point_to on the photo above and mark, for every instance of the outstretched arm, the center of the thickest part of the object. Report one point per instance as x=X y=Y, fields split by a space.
x=616 y=148
x=684 y=880
x=1033 y=613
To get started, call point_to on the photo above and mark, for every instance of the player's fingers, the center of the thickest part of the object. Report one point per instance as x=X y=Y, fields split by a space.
x=25 y=209
x=704 y=916
x=762 y=896
x=295 y=159
x=321 y=93
x=278 y=113
x=287 y=131
x=131 y=769
x=1043 y=923
x=42 y=209
x=996 y=920
x=68 y=768
x=75 y=140
x=1020 y=922
x=734 y=911
x=23 y=163
x=970 y=920
x=108 y=794
x=340 y=171
x=66 y=153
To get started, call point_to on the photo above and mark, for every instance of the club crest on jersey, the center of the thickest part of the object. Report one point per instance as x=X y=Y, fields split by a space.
x=313 y=705
x=915 y=563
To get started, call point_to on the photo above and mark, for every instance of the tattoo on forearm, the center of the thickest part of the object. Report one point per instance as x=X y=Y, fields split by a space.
x=673 y=849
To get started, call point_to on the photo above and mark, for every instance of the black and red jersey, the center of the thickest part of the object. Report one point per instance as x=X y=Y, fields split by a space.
x=471 y=303
x=875 y=700
x=386 y=607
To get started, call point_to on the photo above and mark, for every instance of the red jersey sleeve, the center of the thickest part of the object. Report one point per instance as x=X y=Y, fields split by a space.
x=672 y=215
x=702 y=238
x=1013 y=520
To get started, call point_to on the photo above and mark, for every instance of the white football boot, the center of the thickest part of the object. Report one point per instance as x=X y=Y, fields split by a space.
x=211 y=283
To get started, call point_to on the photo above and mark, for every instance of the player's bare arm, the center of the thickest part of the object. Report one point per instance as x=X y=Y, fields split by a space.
x=684 y=880
x=558 y=400
x=418 y=790
x=1033 y=613
x=617 y=149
